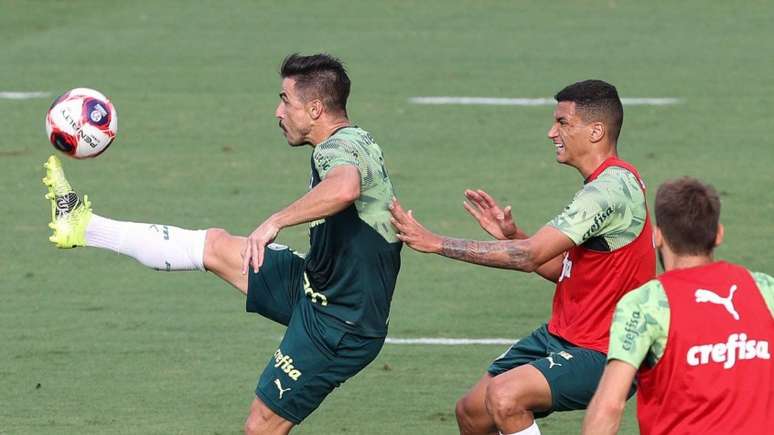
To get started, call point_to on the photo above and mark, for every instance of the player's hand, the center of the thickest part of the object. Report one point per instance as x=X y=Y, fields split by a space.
x=255 y=245
x=496 y=221
x=412 y=232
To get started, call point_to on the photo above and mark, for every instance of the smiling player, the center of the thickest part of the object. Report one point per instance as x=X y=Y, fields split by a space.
x=595 y=251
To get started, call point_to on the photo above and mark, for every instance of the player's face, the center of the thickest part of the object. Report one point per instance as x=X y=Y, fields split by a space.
x=568 y=133
x=293 y=117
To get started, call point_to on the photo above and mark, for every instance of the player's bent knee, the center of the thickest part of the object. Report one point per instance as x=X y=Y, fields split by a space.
x=259 y=422
x=502 y=399
x=472 y=416
x=263 y=421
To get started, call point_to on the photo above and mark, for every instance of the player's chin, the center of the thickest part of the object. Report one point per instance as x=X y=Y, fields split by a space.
x=294 y=142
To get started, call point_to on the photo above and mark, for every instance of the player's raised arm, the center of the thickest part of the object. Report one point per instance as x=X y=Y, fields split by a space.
x=499 y=223
x=339 y=189
x=495 y=220
x=525 y=255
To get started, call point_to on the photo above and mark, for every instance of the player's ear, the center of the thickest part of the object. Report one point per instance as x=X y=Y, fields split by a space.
x=719 y=235
x=315 y=109
x=658 y=238
x=597 y=131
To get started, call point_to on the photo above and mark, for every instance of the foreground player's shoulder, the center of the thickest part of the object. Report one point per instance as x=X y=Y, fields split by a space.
x=766 y=285
x=640 y=325
x=620 y=185
x=338 y=149
x=612 y=206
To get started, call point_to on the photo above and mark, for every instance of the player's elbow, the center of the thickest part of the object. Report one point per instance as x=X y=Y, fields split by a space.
x=523 y=252
x=348 y=194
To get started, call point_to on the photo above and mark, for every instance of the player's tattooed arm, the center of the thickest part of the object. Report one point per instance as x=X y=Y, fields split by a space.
x=508 y=254
x=525 y=255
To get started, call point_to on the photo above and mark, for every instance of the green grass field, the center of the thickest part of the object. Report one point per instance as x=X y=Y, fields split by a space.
x=93 y=343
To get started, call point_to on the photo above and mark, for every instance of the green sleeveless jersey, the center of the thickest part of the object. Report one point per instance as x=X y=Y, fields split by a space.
x=354 y=255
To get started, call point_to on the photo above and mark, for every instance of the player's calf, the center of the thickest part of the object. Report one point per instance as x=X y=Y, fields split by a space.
x=222 y=256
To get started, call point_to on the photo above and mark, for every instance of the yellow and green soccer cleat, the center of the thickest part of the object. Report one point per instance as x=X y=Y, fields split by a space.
x=69 y=215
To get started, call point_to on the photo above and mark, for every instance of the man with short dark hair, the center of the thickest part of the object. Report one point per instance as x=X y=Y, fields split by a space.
x=699 y=334
x=335 y=300
x=595 y=251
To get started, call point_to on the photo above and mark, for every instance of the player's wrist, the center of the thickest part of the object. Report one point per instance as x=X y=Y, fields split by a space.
x=277 y=220
x=516 y=234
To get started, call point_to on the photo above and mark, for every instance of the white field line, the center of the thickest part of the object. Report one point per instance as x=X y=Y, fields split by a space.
x=487 y=101
x=9 y=95
x=451 y=341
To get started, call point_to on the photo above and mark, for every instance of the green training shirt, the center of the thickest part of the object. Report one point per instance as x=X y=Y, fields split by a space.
x=607 y=214
x=641 y=322
x=354 y=255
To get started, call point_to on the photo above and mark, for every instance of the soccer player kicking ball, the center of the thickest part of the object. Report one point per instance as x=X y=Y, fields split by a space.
x=335 y=300
x=699 y=334
x=595 y=251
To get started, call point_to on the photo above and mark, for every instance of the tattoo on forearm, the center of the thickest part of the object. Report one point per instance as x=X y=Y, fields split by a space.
x=503 y=254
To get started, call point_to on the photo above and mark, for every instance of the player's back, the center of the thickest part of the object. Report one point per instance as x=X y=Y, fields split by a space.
x=716 y=372
x=354 y=255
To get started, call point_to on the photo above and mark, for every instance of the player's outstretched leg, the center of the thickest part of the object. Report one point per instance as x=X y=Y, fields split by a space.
x=69 y=215
x=161 y=247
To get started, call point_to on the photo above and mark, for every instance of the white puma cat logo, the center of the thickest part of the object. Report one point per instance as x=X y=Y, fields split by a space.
x=279 y=386
x=703 y=295
x=551 y=362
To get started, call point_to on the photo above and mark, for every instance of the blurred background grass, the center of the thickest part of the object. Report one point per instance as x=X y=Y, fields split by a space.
x=95 y=343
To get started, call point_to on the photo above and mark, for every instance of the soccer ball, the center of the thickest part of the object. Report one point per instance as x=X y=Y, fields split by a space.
x=82 y=123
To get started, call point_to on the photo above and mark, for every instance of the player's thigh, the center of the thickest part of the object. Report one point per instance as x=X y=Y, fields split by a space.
x=524 y=351
x=573 y=374
x=311 y=361
x=277 y=288
x=523 y=387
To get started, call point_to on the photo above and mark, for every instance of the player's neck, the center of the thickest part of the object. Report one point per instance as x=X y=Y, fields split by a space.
x=588 y=165
x=672 y=262
x=327 y=129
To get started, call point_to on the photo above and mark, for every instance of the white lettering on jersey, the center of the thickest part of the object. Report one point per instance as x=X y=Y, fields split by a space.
x=736 y=348
x=566 y=267
x=703 y=295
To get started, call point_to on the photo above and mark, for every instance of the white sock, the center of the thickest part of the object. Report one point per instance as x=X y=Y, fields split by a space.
x=161 y=247
x=532 y=430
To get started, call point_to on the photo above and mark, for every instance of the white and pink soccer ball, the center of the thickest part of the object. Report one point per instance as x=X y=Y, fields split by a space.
x=82 y=123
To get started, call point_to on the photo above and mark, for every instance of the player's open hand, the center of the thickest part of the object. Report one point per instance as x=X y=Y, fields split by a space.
x=496 y=221
x=412 y=232
x=255 y=245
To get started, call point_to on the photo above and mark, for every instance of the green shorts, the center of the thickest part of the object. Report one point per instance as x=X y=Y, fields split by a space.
x=572 y=372
x=313 y=357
